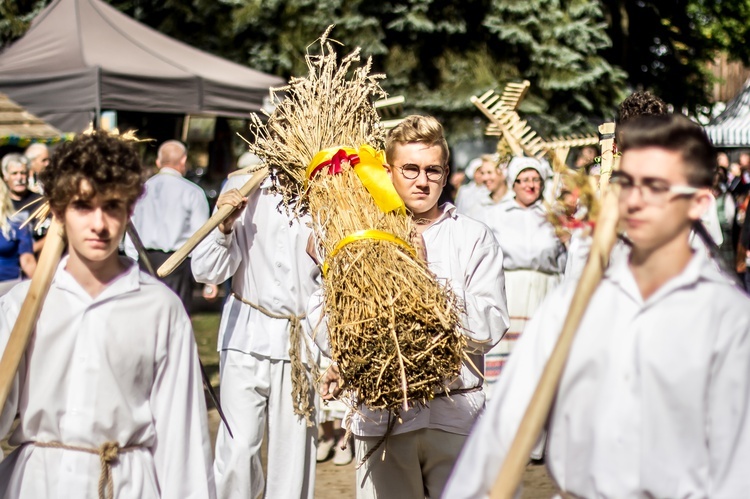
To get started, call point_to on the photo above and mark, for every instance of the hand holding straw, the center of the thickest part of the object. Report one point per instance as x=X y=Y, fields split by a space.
x=537 y=412
x=31 y=308
x=221 y=214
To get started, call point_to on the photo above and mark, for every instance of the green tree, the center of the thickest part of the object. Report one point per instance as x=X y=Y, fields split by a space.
x=15 y=18
x=580 y=55
x=558 y=45
x=665 y=45
x=438 y=53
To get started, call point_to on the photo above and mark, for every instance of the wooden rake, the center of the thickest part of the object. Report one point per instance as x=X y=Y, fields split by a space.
x=505 y=122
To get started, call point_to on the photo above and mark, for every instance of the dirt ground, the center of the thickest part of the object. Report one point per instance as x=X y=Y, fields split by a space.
x=338 y=482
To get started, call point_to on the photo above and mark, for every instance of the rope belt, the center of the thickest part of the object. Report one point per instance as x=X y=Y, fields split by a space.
x=301 y=385
x=108 y=453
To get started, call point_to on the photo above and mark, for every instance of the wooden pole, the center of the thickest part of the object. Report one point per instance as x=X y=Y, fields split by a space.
x=221 y=214
x=31 y=307
x=537 y=412
x=142 y=255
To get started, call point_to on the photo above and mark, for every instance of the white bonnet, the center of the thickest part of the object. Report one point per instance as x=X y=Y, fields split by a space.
x=472 y=167
x=521 y=163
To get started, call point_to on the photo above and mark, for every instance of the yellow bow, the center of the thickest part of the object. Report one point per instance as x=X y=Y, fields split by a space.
x=368 y=166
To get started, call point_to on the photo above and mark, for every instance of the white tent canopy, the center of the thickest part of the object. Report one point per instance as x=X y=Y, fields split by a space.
x=732 y=127
x=82 y=56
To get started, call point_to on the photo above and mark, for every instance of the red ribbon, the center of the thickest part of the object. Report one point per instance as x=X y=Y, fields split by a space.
x=334 y=164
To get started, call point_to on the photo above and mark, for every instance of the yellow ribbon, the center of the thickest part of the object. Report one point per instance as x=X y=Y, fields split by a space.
x=368 y=166
x=371 y=234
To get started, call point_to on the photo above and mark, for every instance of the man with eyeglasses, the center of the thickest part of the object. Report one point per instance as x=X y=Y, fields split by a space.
x=655 y=397
x=422 y=444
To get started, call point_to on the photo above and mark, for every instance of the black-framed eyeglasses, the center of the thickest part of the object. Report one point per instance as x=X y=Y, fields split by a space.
x=434 y=173
x=653 y=191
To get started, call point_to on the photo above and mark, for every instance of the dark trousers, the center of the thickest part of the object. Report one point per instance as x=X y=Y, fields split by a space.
x=180 y=281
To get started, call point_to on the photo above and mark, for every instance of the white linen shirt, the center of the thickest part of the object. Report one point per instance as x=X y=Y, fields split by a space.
x=171 y=210
x=476 y=211
x=469 y=195
x=265 y=254
x=464 y=253
x=119 y=367
x=527 y=239
x=654 y=400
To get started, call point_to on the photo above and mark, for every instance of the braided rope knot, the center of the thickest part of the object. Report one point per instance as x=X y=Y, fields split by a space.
x=109 y=454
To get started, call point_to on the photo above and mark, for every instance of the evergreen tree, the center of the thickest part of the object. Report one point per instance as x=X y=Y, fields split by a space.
x=665 y=45
x=438 y=53
x=557 y=45
x=15 y=18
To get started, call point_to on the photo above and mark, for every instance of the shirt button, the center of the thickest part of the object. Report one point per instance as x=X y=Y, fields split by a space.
x=275 y=302
x=278 y=264
x=278 y=283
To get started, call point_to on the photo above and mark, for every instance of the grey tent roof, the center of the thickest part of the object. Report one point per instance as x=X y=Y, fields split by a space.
x=80 y=56
x=732 y=127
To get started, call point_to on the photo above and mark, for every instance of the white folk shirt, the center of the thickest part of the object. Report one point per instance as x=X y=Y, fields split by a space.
x=654 y=400
x=266 y=257
x=476 y=211
x=119 y=367
x=526 y=237
x=469 y=196
x=463 y=252
x=172 y=209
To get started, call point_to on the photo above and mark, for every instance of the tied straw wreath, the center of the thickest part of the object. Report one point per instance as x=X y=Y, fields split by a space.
x=393 y=329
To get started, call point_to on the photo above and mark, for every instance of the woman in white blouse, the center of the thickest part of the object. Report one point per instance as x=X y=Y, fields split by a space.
x=534 y=258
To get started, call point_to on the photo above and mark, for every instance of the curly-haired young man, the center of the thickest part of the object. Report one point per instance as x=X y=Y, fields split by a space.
x=109 y=392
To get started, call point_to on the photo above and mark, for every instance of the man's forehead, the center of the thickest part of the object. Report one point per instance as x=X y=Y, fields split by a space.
x=86 y=191
x=654 y=162
x=16 y=168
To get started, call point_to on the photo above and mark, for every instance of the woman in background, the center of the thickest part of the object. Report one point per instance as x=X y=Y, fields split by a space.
x=533 y=257
x=16 y=247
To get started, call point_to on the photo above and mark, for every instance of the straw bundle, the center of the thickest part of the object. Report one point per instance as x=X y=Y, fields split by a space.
x=393 y=328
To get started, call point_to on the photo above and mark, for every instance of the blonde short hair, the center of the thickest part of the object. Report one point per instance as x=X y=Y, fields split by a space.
x=421 y=129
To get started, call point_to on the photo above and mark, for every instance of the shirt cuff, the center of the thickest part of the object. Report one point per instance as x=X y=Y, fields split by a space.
x=223 y=239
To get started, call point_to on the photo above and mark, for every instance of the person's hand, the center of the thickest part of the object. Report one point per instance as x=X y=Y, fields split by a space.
x=564 y=237
x=331 y=384
x=210 y=292
x=417 y=242
x=312 y=253
x=235 y=199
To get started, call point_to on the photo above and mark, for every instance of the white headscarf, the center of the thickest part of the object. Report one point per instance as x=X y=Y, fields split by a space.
x=521 y=163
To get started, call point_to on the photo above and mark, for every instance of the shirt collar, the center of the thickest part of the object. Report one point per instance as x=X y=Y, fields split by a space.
x=700 y=268
x=126 y=282
x=509 y=203
x=170 y=171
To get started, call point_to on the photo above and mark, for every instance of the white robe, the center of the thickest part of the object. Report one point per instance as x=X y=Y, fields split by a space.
x=265 y=255
x=534 y=258
x=266 y=258
x=654 y=400
x=119 y=367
